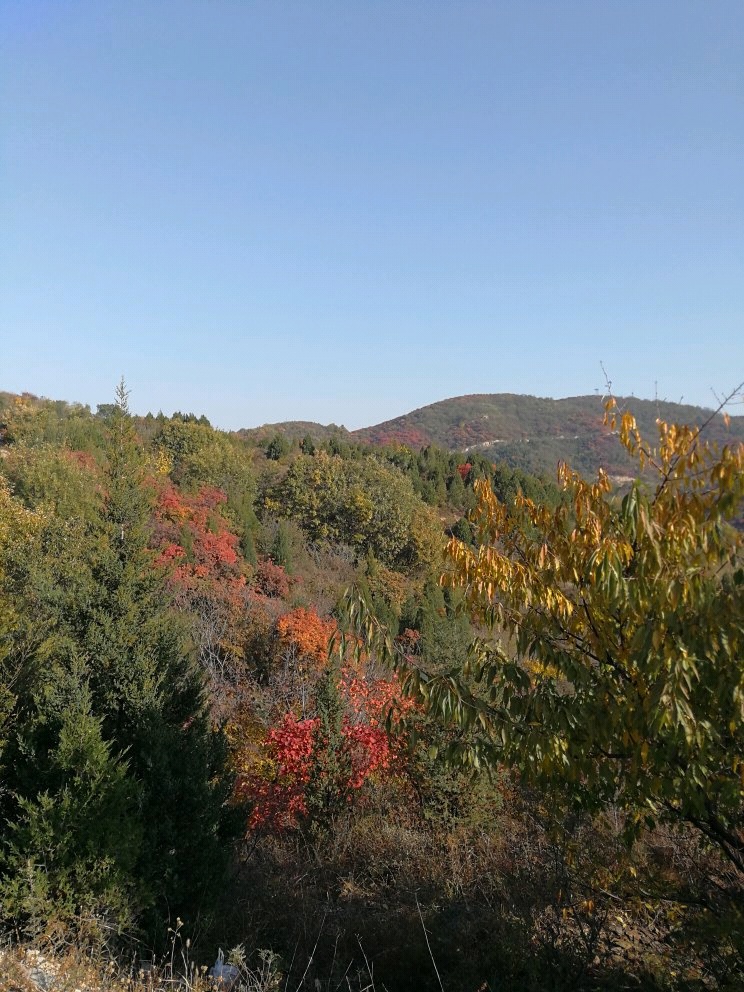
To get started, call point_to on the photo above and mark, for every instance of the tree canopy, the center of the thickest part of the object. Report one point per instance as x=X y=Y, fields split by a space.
x=361 y=503
x=611 y=659
x=112 y=778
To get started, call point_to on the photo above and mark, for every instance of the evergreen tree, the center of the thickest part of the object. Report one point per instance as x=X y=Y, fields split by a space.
x=456 y=491
x=241 y=512
x=307 y=445
x=71 y=848
x=327 y=791
x=151 y=693
x=281 y=547
x=112 y=672
x=277 y=447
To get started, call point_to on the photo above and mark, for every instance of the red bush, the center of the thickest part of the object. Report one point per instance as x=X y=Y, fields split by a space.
x=271 y=580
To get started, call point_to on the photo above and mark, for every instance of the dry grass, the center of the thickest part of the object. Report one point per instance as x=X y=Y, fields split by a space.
x=69 y=968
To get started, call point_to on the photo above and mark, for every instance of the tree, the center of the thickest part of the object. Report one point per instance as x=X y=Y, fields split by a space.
x=281 y=547
x=277 y=447
x=306 y=632
x=199 y=456
x=70 y=850
x=206 y=577
x=70 y=834
x=317 y=765
x=330 y=769
x=111 y=737
x=307 y=445
x=149 y=690
x=616 y=676
x=361 y=503
x=17 y=527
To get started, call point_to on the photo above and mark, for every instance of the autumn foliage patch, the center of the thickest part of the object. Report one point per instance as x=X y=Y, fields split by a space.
x=271 y=580
x=309 y=634
x=196 y=540
x=278 y=789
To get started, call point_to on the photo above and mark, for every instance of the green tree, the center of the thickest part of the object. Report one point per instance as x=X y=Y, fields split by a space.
x=362 y=503
x=71 y=848
x=456 y=491
x=18 y=525
x=281 y=547
x=109 y=665
x=277 y=447
x=200 y=455
x=328 y=791
x=36 y=421
x=307 y=445
x=150 y=691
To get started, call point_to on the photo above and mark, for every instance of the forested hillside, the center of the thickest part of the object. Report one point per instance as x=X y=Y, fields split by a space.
x=534 y=434
x=242 y=704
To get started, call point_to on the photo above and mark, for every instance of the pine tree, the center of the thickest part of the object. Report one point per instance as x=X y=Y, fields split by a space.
x=281 y=548
x=71 y=849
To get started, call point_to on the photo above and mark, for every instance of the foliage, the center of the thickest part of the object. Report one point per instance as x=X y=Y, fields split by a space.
x=72 y=848
x=271 y=580
x=201 y=456
x=306 y=632
x=615 y=681
x=33 y=421
x=278 y=447
x=628 y=623
x=195 y=537
x=281 y=547
x=124 y=550
x=65 y=482
x=360 y=503
x=317 y=764
x=207 y=577
x=112 y=777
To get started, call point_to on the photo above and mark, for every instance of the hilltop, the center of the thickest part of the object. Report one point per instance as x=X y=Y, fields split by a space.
x=533 y=433
x=293 y=430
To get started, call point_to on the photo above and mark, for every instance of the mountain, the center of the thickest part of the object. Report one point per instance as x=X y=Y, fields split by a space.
x=534 y=433
x=524 y=432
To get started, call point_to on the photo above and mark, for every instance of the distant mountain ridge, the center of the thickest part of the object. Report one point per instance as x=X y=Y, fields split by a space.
x=526 y=432
x=534 y=433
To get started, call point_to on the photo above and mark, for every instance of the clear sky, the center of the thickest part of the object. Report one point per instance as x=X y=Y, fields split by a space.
x=274 y=210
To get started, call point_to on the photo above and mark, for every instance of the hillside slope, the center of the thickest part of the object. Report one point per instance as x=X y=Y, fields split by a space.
x=534 y=433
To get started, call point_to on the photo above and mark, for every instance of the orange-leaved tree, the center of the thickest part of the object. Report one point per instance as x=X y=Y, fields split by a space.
x=310 y=635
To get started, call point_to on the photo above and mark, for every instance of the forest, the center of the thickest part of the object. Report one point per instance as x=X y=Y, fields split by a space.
x=367 y=716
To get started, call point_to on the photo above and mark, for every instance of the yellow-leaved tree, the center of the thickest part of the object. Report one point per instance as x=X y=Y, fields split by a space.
x=612 y=663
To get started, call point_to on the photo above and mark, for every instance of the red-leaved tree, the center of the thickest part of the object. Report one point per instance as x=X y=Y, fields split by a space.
x=295 y=764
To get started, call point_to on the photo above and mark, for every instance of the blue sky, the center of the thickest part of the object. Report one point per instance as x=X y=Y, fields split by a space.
x=342 y=211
